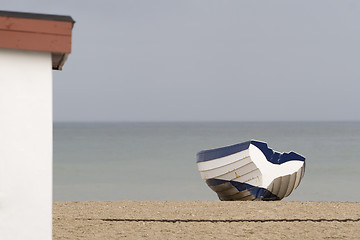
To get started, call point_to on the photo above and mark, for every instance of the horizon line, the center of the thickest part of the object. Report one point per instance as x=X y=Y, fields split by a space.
x=206 y=121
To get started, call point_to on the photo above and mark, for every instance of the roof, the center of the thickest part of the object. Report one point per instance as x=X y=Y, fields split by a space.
x=54 y=17
x=37 y=32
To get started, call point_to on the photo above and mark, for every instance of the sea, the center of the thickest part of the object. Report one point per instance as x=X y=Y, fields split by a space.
x=157 y=160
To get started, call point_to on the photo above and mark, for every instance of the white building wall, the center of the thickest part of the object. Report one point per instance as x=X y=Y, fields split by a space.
x=25 y=145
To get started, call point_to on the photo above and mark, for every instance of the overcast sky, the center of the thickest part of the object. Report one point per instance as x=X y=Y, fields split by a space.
x=199 y=60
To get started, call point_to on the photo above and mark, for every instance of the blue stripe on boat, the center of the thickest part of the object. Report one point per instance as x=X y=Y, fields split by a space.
x=212 y=154
x=271 y=156
x=276 y=157
x=257 y=192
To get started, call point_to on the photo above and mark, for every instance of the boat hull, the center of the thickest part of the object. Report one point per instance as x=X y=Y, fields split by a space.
x=250 y=171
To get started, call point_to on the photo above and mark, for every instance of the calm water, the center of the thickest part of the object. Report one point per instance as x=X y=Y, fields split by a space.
x=157 y=161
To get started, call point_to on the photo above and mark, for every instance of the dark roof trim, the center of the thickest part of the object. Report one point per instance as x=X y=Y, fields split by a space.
x=37 y=16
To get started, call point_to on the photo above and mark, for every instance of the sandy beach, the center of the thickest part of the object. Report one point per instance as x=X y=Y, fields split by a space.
x=206 y=220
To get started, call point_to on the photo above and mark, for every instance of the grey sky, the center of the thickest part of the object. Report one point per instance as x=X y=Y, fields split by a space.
x=198 y=60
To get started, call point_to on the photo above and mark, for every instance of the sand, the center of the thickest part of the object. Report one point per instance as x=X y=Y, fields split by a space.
x=206 y=220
